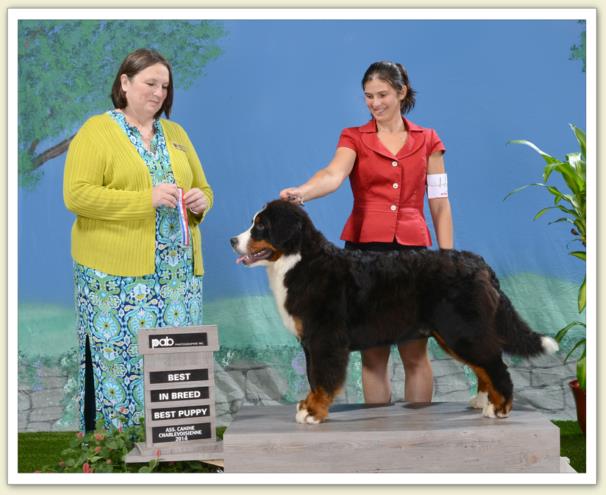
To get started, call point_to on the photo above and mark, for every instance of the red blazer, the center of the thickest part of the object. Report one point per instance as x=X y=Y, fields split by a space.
x=389 y=190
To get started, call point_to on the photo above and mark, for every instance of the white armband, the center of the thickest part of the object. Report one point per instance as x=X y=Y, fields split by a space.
x=437 y=186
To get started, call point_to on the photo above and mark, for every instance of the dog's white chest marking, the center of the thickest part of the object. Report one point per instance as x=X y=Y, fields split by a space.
x=276 y=272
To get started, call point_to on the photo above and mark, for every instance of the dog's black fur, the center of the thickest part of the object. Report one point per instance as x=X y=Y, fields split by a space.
x=342 y=300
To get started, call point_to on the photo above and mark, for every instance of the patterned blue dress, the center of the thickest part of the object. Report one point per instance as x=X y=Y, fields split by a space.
x=112 y=309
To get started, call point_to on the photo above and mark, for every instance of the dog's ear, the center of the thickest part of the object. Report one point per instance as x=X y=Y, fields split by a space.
x=288 y=235
x=286 y=231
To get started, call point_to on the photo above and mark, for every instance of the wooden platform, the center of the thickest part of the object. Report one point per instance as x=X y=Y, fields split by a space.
x=211 y=453
x=447 y=437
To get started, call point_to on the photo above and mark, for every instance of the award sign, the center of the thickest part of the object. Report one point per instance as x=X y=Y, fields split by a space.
x=178 y=368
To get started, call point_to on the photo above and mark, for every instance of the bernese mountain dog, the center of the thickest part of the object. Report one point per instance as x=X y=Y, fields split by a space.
x=336 y=301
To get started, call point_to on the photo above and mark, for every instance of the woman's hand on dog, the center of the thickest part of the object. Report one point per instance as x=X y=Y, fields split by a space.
x=292 y=194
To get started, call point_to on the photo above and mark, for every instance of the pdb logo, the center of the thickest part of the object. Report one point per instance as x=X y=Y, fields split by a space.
x=163 y=342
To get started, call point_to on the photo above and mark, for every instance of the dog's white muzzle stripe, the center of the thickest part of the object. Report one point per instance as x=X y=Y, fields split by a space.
x=242 y=246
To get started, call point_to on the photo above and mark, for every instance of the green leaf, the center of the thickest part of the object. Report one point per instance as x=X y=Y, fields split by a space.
x=521 y=188
x=579 y=254
x=549 y=168
x=517 y=190
x=548 y=158
x=582 y=296
x=103 y=468
x=563 y=331
x=542 y=212
x=573 y=160
x=111 y=443
x=580 y=135
x=556 y=193
x=573 y=173
x=579 y=344
x=582 y=372
x=560 y=220
x=568 y=211
x=75 y=442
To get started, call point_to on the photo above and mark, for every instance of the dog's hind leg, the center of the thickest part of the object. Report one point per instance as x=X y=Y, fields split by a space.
x=480 y=401
x=500 y=387
x=326 y=372
x=495 y=389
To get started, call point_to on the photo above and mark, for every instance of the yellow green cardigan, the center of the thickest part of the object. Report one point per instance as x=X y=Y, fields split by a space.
x=108 y=186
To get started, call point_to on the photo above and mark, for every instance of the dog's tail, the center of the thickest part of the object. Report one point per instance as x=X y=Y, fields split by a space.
x=518 y=338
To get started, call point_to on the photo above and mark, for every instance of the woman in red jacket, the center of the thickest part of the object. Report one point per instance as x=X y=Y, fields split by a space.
x=391 y=164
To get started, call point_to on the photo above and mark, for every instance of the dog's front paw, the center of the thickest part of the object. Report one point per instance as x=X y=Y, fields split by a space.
x=488 y=410
x=491 y=410
x=503 y=410
x=480 y=401
x=502 y=413
x=304 y=416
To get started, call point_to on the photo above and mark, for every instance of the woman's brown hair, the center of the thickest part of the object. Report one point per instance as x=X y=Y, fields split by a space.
x=396 y=76
x=134 y=63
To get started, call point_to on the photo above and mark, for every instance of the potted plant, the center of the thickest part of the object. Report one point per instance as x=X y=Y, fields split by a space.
x=570 y=204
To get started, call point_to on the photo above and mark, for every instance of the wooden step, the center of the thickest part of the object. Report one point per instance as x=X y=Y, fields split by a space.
x=446 y=437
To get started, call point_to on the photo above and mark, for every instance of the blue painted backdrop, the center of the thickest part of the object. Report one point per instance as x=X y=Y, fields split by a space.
x=268 y=112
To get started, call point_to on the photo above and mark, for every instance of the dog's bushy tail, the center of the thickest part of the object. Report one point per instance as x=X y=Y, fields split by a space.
x=518 y=338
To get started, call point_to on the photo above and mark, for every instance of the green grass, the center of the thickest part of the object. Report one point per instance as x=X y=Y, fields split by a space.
x=43 y=449
x=572 y=444
x=39 y=449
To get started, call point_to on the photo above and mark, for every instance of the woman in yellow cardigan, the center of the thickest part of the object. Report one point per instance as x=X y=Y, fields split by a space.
x=139 y=192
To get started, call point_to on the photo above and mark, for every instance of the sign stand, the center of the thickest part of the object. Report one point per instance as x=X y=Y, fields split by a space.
x=180 y=412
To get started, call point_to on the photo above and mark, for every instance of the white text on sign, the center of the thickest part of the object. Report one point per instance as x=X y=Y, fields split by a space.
x=180 y=413
x=178 y=377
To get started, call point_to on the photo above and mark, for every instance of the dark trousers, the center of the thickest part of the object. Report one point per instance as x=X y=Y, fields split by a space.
x=90 y=410
x=380 y=246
